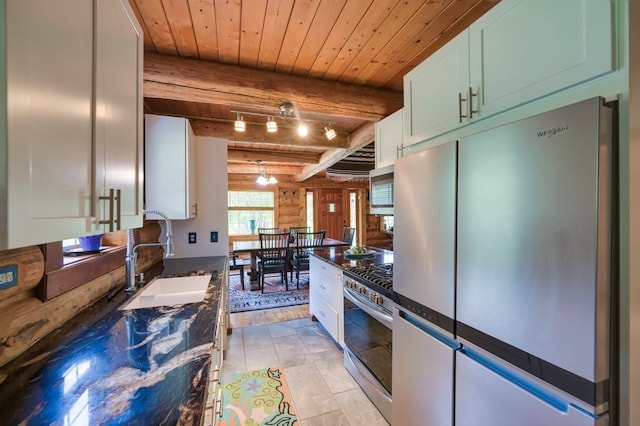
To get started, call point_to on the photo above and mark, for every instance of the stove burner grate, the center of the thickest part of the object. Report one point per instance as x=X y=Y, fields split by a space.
x=375 y=275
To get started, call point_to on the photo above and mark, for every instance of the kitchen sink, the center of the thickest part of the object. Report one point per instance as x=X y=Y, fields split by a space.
x=170 y=291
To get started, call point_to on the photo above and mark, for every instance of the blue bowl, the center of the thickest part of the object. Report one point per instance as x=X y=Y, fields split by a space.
x=90 y=243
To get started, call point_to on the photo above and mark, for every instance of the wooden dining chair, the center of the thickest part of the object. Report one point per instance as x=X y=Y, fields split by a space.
x=295 y=229
x=237 y=264
x=347 y=234
x=269 y=230
x=305 y=241
x=273 y=256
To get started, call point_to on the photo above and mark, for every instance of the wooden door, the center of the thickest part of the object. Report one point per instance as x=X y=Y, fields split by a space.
x=331 y=212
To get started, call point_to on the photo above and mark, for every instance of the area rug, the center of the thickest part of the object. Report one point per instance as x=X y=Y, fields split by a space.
x=258 y=397
x=275 y=295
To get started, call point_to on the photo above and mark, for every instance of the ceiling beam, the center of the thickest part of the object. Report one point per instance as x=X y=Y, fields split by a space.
x=190 y=80
x=256 y=133
x=249 y=155
x=272 y=169
x=361 y=137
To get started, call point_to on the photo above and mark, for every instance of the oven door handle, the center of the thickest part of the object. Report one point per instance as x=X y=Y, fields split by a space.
x=386 y=320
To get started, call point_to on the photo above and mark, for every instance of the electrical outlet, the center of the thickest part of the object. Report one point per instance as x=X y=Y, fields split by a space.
x=192 y=237
x=214 y=236
x=8 y=276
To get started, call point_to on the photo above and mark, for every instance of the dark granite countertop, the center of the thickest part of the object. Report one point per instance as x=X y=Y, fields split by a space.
x=106 y=367
x=335 y=255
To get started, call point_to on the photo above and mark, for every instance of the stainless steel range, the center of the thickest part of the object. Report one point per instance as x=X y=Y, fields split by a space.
x=368 y=318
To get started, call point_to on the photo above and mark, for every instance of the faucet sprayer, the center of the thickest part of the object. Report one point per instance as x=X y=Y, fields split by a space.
x=131 y=255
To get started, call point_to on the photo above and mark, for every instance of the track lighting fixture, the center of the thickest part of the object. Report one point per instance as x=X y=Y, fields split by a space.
x=287 y=112
x=239 y=125
x=329 y=133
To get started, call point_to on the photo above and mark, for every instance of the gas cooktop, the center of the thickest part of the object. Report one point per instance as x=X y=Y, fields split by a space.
x=375 y=276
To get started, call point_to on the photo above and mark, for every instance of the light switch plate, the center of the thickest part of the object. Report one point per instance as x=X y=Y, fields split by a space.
x=214 y=236
x=192 y=237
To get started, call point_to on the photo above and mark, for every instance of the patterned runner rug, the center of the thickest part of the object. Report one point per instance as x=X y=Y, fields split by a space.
x=274 y=296
x=258 y=397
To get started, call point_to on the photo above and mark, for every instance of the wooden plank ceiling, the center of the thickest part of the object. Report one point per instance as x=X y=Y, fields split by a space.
x=339 y=62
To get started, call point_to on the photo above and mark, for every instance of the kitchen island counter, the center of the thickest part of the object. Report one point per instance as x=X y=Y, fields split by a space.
x=336 y=256
x=110 y=366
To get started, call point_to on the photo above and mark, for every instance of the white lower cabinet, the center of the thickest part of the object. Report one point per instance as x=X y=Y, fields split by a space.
x=325 y=296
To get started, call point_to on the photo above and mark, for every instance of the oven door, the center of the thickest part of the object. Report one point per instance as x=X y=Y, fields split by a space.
x=367 y=348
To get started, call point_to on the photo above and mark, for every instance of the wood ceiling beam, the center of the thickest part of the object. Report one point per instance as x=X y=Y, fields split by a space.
x=272 y=169
x=249 y=155
x=256 y=133
x=358 y=139
x=190 y=80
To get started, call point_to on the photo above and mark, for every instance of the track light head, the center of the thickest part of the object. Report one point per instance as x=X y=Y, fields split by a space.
x=329 y=133
x=239 y=125
x=272 y=126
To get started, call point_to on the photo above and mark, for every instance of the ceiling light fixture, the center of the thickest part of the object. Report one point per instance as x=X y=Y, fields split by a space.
x=287 y=112
x=329 y=133
x=239 y=125
x=272 y=126
x=262 y=176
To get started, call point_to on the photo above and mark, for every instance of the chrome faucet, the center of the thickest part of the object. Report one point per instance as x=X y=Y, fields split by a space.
x=130 y=260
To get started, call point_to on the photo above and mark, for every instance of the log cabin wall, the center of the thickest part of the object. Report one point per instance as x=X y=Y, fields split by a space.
x=291 y=205
x=28 y=311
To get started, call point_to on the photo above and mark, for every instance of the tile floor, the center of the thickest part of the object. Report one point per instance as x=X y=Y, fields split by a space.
x=323 y=391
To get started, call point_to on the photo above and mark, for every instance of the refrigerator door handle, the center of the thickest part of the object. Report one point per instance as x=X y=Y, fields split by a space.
x=539 y=392
x=441 y=337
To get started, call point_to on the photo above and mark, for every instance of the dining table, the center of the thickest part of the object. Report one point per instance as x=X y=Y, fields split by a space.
x=253 y=247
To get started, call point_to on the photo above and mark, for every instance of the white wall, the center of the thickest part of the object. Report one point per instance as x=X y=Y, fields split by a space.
x=212 y=203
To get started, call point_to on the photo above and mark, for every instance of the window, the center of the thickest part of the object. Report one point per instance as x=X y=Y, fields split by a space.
x=250 y=210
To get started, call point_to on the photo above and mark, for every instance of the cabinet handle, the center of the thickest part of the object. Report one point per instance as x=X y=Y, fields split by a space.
x=460 y=101
x=195 y=209
x=470 y=97
x=399 y=151
x=216 y=375
x=218 y=409
x=118 y=209
x=113 y=196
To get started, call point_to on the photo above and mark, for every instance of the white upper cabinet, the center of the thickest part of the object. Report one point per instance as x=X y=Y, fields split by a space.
x=525 y=49
x=118 y=136
x=389 y=137
x=63 y=141
x=46 y=110
x=519 y=51
x=170 y=167
x=435 y=92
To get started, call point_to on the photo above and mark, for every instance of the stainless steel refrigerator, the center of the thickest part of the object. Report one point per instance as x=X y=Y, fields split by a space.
x=503 y=275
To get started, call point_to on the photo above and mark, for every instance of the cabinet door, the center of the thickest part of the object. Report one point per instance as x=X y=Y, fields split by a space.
x=435 y=92
x=48 y=132
x=118 y=121
x=169 y=174
x=191 y=169
x=389 y=136
x=515 y=59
